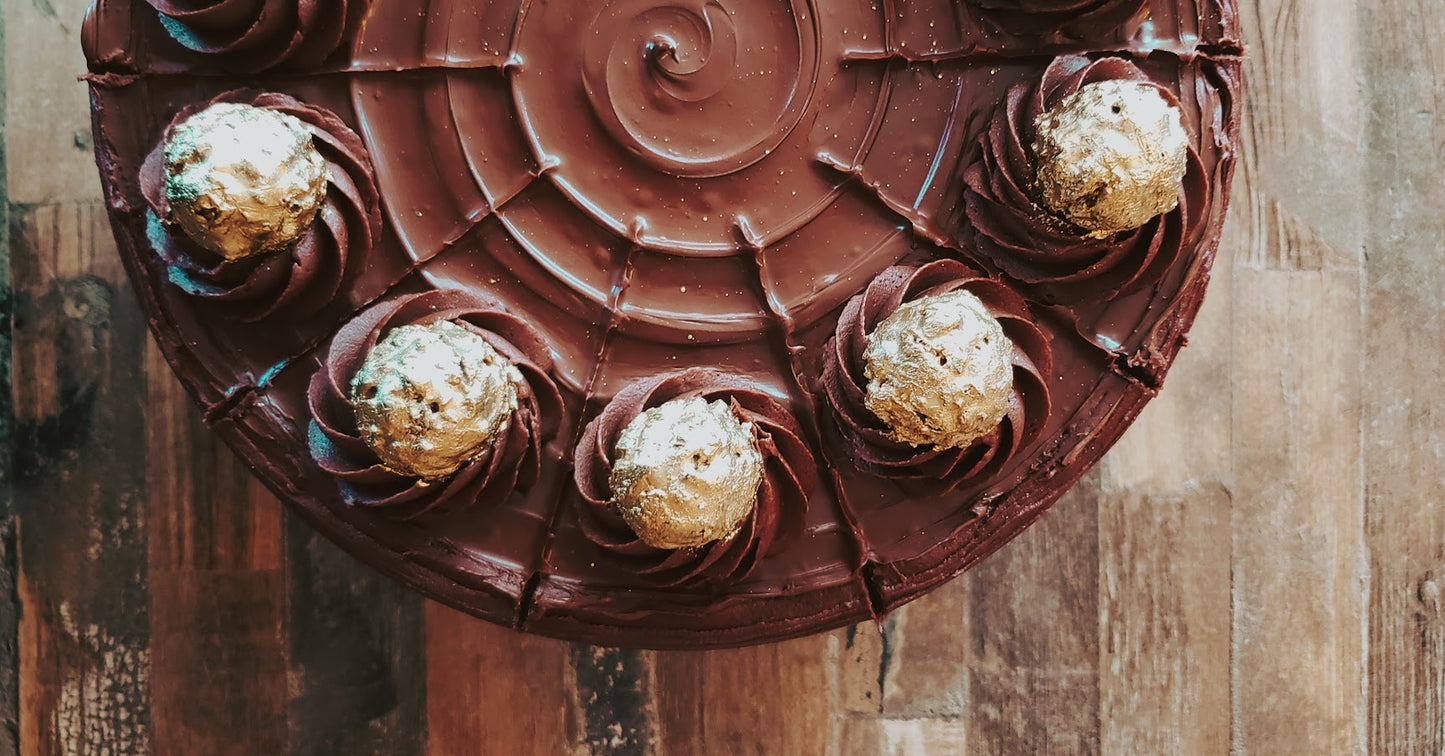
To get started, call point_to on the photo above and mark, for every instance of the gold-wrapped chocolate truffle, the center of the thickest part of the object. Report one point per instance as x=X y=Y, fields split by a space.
x=1110 y=156
x=939 y=370
x=243 y=180
x=685 y=473
x=429 y=399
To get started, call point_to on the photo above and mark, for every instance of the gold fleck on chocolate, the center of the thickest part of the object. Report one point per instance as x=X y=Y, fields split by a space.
x=429 y=399
x=939 y=370
x=685 y=473
x=1110 y=156
x=243 y=180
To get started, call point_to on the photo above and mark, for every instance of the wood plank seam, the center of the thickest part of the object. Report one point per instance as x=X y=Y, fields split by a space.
x=9 y=597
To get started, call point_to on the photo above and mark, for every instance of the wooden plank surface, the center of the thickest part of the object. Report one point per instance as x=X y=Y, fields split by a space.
x=216 y=592
x=1258 y=567
x=9 y=561
x=1403 y=68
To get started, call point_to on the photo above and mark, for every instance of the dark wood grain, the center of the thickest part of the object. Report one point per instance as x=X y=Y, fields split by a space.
x=79 y=341
x=762 y=700
x=356 y=654
x=492 y=688
x=614 y=690
x=9 y=564
x=217 y=591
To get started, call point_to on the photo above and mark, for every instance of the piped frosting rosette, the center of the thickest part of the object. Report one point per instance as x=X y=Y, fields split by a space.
x=255 y=35
x=776 y=519
x=866 y=438
x=303 y=277
x=1066 y=18
x=511 y=463
x=1028 y=244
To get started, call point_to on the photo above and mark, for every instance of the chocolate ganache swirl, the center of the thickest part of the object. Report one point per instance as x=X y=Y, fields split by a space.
x=511 y=463
x=789 y=472
x=660 y=83
x=699 y=104
x=255 y=35
x=1029 y=244
x=302 y=278
x=919 y=470
x=1055 y=19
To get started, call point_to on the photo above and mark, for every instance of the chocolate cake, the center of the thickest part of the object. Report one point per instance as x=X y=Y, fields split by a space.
x=641 y=218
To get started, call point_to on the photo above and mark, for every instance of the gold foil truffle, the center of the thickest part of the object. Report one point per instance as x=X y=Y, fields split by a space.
x=939 y=370
x=429 y=399
x=1110 y=156
x=685 y=473
x=243 y=180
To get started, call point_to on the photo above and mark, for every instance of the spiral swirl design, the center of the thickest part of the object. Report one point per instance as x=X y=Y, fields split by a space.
x=693 y=101
x=668 y=84
x=302 y=278
x=1029 y=245
x=924 y=471
x=688 y=131
x=777 y=519
x=512 y=463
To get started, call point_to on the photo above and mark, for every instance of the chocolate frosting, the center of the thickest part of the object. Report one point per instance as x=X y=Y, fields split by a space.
x=1055 y=20
x=1032 y=246
x=659 y=185
x=512 y=463
x=776 y=520
x=302 y=278
x=254 y=35
x=921 y=470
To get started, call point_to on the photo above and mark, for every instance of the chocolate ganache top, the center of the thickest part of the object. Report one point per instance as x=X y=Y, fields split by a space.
x=633 y=201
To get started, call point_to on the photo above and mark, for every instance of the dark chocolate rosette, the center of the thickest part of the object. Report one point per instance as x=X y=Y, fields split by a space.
x=302 y=278
x=776 y=520
x=512 y=463
x=254 y=35
x=920 y=470
x=1055 y=19
x=1029 y=244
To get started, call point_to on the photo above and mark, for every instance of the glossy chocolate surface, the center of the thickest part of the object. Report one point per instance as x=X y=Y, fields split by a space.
x=654 y=186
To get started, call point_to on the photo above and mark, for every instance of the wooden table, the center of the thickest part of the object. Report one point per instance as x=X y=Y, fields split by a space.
x=1258 y=566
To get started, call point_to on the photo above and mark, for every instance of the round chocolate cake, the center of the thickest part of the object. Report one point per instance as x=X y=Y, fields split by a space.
x=668 y=323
